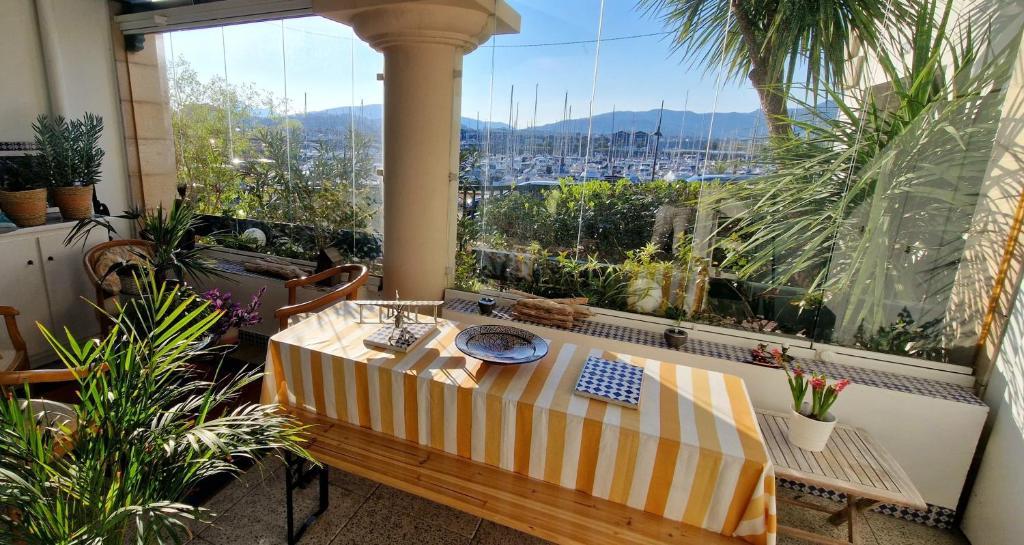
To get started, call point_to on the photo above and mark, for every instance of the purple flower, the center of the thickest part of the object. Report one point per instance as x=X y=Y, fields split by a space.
x=233 y=314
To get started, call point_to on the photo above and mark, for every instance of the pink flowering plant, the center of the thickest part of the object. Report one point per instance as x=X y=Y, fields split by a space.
x=233 y=314
x=774 y=357
x=823 y=394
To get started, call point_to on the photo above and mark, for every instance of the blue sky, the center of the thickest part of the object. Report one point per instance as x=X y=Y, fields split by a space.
x=633 y=74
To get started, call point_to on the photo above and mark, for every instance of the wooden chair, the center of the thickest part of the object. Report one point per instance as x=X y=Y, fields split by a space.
x=357 y=275
x=15 y=359
x=89 y=262
x=15 y=372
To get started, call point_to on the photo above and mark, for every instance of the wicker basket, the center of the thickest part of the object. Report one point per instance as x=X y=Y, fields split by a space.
x=25 y=208
x=75 y=202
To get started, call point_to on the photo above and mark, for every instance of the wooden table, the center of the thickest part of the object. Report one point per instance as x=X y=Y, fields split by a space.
x=691 y=453
x=852 y=463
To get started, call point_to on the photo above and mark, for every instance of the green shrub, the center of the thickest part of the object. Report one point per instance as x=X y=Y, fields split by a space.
x=617 y=217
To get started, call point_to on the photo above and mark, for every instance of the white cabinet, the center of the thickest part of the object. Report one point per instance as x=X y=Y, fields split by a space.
x=67 y=286
x=46 y=282
x=24 y=288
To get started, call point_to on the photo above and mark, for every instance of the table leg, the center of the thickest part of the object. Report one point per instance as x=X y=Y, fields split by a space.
x=297 y=476
x=851 y=518
x=860 y=505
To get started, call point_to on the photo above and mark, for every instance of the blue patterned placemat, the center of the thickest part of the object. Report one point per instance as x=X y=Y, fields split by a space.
x=613 y=381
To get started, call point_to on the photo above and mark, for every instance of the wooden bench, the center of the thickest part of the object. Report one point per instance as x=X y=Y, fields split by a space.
x=535 y=507
x=852 y=463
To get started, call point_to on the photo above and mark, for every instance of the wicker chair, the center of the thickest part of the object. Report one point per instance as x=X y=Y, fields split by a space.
x=102 y=297
x=357 y=275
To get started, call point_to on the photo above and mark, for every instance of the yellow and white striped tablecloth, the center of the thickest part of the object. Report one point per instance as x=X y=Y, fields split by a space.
x=692 y=452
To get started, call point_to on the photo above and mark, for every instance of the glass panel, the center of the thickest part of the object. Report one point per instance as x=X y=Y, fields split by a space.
x=598 y=202
x=847 y=229
x=279 y=132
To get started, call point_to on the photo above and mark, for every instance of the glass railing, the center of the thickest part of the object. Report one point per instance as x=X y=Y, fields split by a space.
x=612 y=160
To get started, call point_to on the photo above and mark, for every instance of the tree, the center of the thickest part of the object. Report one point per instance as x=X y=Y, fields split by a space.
x=270 y=168
x=773 y=42
x=870 y=206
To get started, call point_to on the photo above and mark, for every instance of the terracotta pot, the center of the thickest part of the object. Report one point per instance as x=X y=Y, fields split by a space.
x=25 y=208
x=75 y=202
x=808 y=433
x=229 y=337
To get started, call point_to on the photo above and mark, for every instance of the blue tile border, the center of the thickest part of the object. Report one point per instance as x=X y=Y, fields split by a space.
x=16 y=148
x=870 y=377
x=934 y=516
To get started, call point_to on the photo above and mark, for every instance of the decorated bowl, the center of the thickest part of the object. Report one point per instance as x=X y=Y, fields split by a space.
x=501 y=345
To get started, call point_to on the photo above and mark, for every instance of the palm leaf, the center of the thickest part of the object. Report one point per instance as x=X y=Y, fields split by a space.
x=148 y=433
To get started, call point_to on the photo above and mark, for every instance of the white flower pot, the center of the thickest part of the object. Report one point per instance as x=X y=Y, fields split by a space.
x=644 y=295
x=808 y=433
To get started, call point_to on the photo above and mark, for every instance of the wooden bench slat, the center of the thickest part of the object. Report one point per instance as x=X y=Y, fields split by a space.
x=539 y=508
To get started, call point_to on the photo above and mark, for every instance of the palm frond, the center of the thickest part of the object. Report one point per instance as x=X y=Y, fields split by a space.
x=849 y=205
x=148 y=432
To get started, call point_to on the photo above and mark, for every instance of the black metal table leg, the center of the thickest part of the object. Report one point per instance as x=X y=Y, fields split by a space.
x=297 y=476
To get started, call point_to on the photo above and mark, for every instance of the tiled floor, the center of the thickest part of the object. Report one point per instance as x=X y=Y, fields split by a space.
x=251 y=512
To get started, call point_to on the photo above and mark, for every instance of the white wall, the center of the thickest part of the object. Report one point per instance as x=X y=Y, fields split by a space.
x=79 y=58
x=994 y=506
x=58 y=58
x=23 y=91
x=996 y=500
x=993 y=509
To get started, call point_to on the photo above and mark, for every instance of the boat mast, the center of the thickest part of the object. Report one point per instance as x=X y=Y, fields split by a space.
x=657 y=140
x=611 y=144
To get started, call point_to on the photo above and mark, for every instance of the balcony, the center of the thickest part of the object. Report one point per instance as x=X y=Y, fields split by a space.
x=586 y=177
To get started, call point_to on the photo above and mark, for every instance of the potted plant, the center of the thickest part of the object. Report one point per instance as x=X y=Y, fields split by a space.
x=23 y=191
x=810 y=424
x=72 y=156
x=148 y=432
x=646 y=275
x=675 y=336
x=175 y=253
x=233 y=315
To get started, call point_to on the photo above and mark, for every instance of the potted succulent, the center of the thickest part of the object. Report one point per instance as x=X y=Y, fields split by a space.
x=486 y=305
x=72 y=157
x=233 y=315
x=23 y=191
x=811 y=424
x=675 y=336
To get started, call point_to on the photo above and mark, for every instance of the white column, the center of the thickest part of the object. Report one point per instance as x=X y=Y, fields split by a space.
x=423 y=43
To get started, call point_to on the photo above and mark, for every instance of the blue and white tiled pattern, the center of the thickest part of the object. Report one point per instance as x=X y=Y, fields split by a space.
x=870 y=377
x=18 y=148
x=935 y=516
x=613 y=381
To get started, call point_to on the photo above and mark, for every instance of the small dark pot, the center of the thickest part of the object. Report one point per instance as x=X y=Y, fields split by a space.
x=486 y=305
x=675 y=337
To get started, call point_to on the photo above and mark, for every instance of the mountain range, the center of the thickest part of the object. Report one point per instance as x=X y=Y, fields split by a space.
x=673 y=122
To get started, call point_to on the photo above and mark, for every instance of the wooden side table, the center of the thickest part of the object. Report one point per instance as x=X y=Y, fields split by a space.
x=852 y=463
